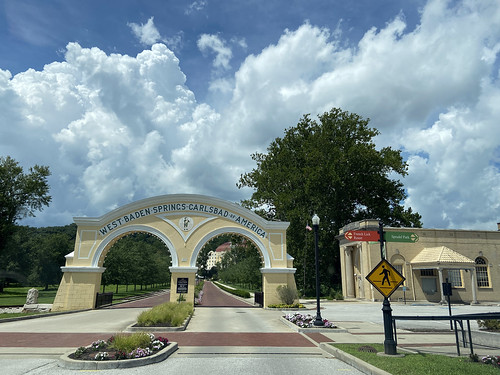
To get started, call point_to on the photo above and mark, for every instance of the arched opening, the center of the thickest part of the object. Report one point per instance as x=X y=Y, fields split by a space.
x=231 y=259
x=136 y=259
x=105 y=246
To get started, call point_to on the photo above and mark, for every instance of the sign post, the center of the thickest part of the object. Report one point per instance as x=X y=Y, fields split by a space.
x=447 y=292
x=384 y=277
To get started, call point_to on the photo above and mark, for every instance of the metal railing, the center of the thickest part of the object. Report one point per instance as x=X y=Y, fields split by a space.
x=457 y=320
x=104 y=299
x=259 y=298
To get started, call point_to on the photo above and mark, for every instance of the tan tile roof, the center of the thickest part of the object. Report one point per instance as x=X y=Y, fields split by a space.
x=440 y=255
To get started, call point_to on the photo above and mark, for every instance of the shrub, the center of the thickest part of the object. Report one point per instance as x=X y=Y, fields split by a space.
x=336 y=294
x=198 y=288
x=285 y=306
x=166 y=314
x=286 y=294
x=489 y=324
x=236 y=292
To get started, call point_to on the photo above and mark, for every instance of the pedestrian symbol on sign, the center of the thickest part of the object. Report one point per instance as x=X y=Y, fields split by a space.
x=386 y=274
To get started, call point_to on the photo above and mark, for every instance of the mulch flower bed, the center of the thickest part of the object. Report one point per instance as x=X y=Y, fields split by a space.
x=102 y=350
x=307 y=320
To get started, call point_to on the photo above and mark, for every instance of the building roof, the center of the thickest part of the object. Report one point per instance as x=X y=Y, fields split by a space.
x=441 y=255
x=226 y=246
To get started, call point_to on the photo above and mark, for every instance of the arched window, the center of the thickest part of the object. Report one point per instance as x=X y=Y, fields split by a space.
x=483 y=280
x=398 y=262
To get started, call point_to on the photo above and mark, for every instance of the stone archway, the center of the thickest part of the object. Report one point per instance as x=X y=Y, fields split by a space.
x=184 y=223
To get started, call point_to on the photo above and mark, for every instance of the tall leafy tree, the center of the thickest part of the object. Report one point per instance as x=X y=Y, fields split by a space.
x=48 y=257
x=241 y=264
x=21 y=194
x=137 y=259
x=330 y=167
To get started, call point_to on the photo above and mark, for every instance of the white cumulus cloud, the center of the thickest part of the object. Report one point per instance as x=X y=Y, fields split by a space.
x=218 y=46
x=116 y=128
x=147 y=33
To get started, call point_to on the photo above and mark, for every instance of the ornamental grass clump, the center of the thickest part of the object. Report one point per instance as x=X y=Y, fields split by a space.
x=286 y=294
x=127 y=343
x=168 y=314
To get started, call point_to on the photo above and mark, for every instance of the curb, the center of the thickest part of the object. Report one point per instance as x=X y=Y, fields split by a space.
x=72 y=364
x=353 y=361
x=41 y=315
x=133 y=328
x=311 y=329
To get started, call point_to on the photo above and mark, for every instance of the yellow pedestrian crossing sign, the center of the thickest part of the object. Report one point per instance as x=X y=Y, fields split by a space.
x=385 y=278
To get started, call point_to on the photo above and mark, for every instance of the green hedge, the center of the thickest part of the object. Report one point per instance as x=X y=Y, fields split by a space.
x=237 y=292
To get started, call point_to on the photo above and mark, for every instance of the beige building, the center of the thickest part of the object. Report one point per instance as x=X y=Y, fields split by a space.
x=215 y=257
x=468 y=259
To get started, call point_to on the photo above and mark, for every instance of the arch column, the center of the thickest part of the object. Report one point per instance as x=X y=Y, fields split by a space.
x=185 y=273
x=274 y=277
x=440 y=273
x=474 y=285
x=78 y=288
x=349 y=274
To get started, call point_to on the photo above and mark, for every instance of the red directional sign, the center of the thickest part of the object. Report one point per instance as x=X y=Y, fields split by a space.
x=362 y=235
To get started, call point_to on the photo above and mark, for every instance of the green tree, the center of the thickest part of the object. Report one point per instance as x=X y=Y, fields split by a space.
x=47 y=258
x=21 y=194
x=242 y=264
x=138 y=259
x=330 y=167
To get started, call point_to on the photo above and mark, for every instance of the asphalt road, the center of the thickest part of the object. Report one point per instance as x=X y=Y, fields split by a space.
x=271 y=356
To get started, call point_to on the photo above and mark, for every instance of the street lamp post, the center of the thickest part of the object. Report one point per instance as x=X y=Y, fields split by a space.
x=319 y=319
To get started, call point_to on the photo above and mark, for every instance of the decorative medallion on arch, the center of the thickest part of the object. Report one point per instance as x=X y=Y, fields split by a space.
x=184 y=223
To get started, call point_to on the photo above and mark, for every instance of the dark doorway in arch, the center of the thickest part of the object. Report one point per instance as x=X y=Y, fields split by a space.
x=136 y=262
x=233 y=261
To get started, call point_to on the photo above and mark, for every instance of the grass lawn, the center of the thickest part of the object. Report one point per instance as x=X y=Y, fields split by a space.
x=16 y=296
x=124 y=294
x=419 y=364
x=15 y=315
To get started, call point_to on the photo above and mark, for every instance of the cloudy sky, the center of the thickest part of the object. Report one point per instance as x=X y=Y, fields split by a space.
x=127 y=99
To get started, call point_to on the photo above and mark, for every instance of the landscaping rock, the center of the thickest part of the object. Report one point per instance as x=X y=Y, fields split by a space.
x=37 y=307
x=32 y=297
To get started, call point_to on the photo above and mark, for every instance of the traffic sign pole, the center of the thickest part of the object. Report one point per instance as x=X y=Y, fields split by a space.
x=389 y=343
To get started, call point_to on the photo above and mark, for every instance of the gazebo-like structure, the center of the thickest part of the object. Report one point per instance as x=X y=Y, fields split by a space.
x=443 y=258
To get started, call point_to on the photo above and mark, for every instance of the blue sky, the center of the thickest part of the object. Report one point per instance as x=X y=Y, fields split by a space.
x=129 y=99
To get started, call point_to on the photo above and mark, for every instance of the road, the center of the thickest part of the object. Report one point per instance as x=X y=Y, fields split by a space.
x=218 y=340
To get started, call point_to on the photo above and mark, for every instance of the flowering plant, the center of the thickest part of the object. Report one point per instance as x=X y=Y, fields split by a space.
x=101 y=356
x=306 y=320
x=140 y=352
x=102 y=350
x=491 y=360
x=99 y=344
x=197 y=300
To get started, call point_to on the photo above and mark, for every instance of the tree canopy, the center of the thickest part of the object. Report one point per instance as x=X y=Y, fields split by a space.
x=137 y=259
x=21 y=194
x=330 y=167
